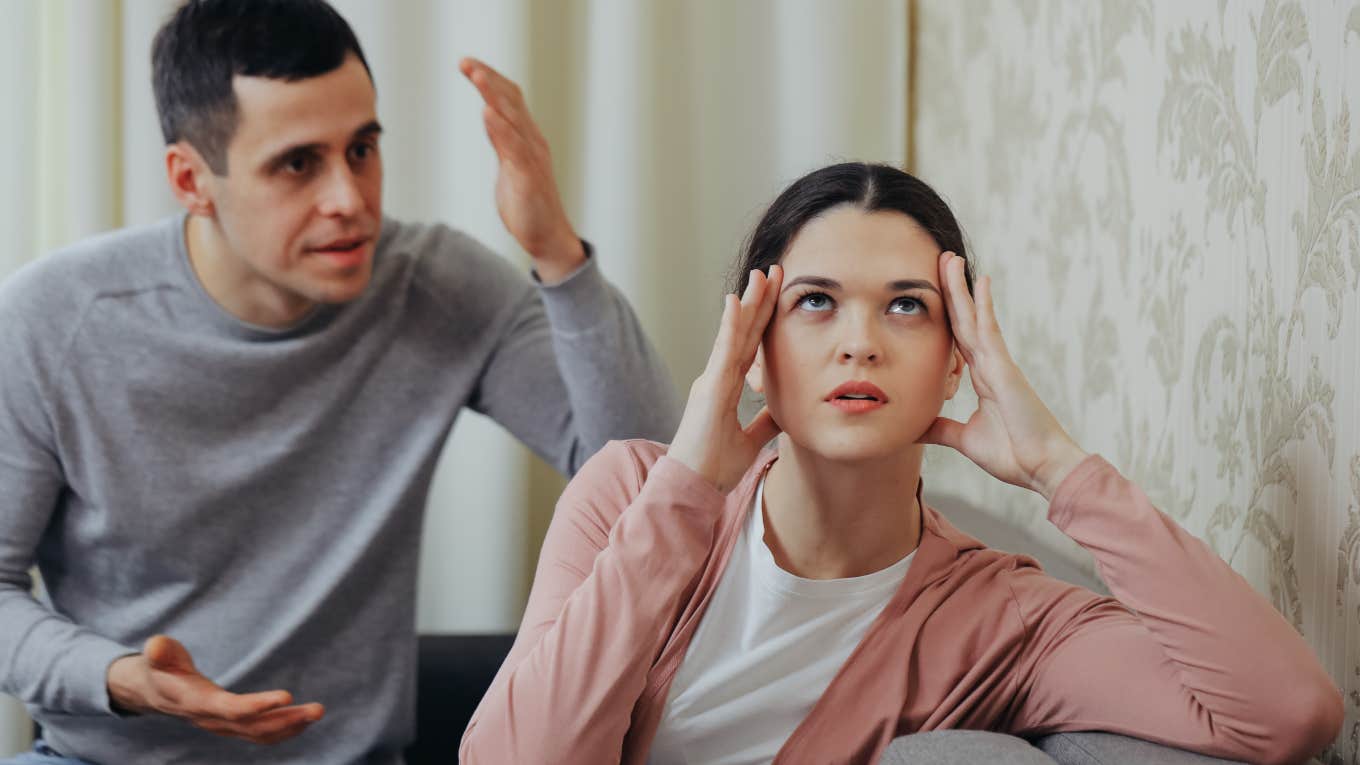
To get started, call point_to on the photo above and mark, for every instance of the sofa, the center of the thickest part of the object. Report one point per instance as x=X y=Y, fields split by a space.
x=455 y=670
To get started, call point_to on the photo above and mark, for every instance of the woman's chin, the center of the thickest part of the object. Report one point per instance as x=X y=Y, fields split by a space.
x=855 y=446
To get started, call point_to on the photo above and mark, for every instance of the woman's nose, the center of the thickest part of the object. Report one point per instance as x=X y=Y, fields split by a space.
x=860 y=345
x=859 y=355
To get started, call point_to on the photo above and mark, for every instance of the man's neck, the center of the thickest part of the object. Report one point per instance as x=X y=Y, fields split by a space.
x=233 y=284
x=831 y=520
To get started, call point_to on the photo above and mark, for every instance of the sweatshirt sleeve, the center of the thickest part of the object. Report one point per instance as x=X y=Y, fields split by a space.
x=1187 y=654
x=574 y=369
x=619 y=555
x=45 y=659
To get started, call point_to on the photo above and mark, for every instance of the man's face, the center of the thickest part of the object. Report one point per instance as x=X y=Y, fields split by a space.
x=301 y=204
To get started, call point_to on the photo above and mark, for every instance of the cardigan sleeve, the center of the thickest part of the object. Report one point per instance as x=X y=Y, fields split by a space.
x=619 y=554
x=1186 y=653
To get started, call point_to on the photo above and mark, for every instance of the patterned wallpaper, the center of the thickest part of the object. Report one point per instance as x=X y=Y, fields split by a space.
x=1168 y=198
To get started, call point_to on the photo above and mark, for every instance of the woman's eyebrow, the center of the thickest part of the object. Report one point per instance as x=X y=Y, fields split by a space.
x=893 y=286
x=816 y=281
x=913 y=284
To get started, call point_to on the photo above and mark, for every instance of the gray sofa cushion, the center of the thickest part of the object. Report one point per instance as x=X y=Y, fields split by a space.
x=956 y=747
x=959 y=747
x=1089 y=748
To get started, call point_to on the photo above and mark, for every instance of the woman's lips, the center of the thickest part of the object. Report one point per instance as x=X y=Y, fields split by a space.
x=857 y=396
x=856 y=406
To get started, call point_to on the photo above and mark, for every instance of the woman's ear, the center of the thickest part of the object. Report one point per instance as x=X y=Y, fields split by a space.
x=189 y=177
x=955 y=375
x=755 y=376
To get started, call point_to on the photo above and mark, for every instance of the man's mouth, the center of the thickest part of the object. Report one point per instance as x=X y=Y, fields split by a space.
x=343 y=245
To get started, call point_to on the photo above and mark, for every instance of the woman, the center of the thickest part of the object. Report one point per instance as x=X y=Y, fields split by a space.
x=716 y=603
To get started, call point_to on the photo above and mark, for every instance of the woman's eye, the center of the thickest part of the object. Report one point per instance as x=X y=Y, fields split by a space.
x=814 y=302
x=906 y=305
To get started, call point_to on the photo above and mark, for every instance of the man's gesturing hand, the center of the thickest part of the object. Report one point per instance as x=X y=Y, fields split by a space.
x=162 y=679
x=526 y=191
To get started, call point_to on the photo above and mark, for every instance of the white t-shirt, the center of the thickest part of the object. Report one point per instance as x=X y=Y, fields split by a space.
x=767 y=648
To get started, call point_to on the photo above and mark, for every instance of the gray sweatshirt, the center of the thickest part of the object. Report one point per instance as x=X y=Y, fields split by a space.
x=259 y=494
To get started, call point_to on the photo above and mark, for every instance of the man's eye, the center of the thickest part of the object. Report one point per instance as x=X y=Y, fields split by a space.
x=363 y=150
x=298 y=165
x=815 y=301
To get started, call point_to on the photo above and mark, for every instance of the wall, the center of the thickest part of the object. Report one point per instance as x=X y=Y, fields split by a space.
x=1167 y=196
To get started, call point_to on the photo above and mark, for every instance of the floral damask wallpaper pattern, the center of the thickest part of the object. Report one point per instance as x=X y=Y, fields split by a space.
x=1168 y=198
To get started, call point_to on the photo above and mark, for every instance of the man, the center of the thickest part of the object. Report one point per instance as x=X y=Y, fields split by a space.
x=217 y=432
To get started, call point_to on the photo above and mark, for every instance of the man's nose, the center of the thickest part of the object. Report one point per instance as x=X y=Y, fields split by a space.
x=340 y=196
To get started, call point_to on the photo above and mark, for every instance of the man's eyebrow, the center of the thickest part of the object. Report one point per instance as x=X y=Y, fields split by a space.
x=895 y=286
x=370 y=128
x=278 y=157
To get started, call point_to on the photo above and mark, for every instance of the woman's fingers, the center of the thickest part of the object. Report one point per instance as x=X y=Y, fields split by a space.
x=743 y=324
x=761 y=312
x=735 y=355
x=962 y=311
x=945 y=432
x=727 y=330
x=762 y=427
x=986 y=312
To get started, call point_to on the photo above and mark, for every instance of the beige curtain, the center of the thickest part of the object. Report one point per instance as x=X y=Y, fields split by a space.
x=672 y=124
x=1168 y=197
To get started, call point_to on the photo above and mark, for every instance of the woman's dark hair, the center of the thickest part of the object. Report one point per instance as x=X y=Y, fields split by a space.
x=869 y=187
x=208 y=42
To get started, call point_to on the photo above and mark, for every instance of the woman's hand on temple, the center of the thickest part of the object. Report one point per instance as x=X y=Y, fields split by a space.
x=711 y=440
x=1012 y=435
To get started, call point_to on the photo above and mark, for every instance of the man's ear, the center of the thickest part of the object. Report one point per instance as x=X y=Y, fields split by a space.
x=955 y=375
x=190 y=178
x=755 y=376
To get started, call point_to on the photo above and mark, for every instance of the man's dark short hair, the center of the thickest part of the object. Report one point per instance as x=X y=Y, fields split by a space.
x=208 y=42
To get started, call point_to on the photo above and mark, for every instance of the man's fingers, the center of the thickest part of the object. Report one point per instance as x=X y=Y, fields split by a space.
x=509 y=144
x=232 y=706
x=268 y=728
x=503 y=95
x=285 y=723
x=193 y=695
x=168 y=655
x=185 y=692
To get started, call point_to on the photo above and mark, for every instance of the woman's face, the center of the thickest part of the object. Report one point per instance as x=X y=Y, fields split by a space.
x=859 y=357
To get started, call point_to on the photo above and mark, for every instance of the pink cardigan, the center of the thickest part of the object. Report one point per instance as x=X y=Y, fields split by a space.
x=1189 y=655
